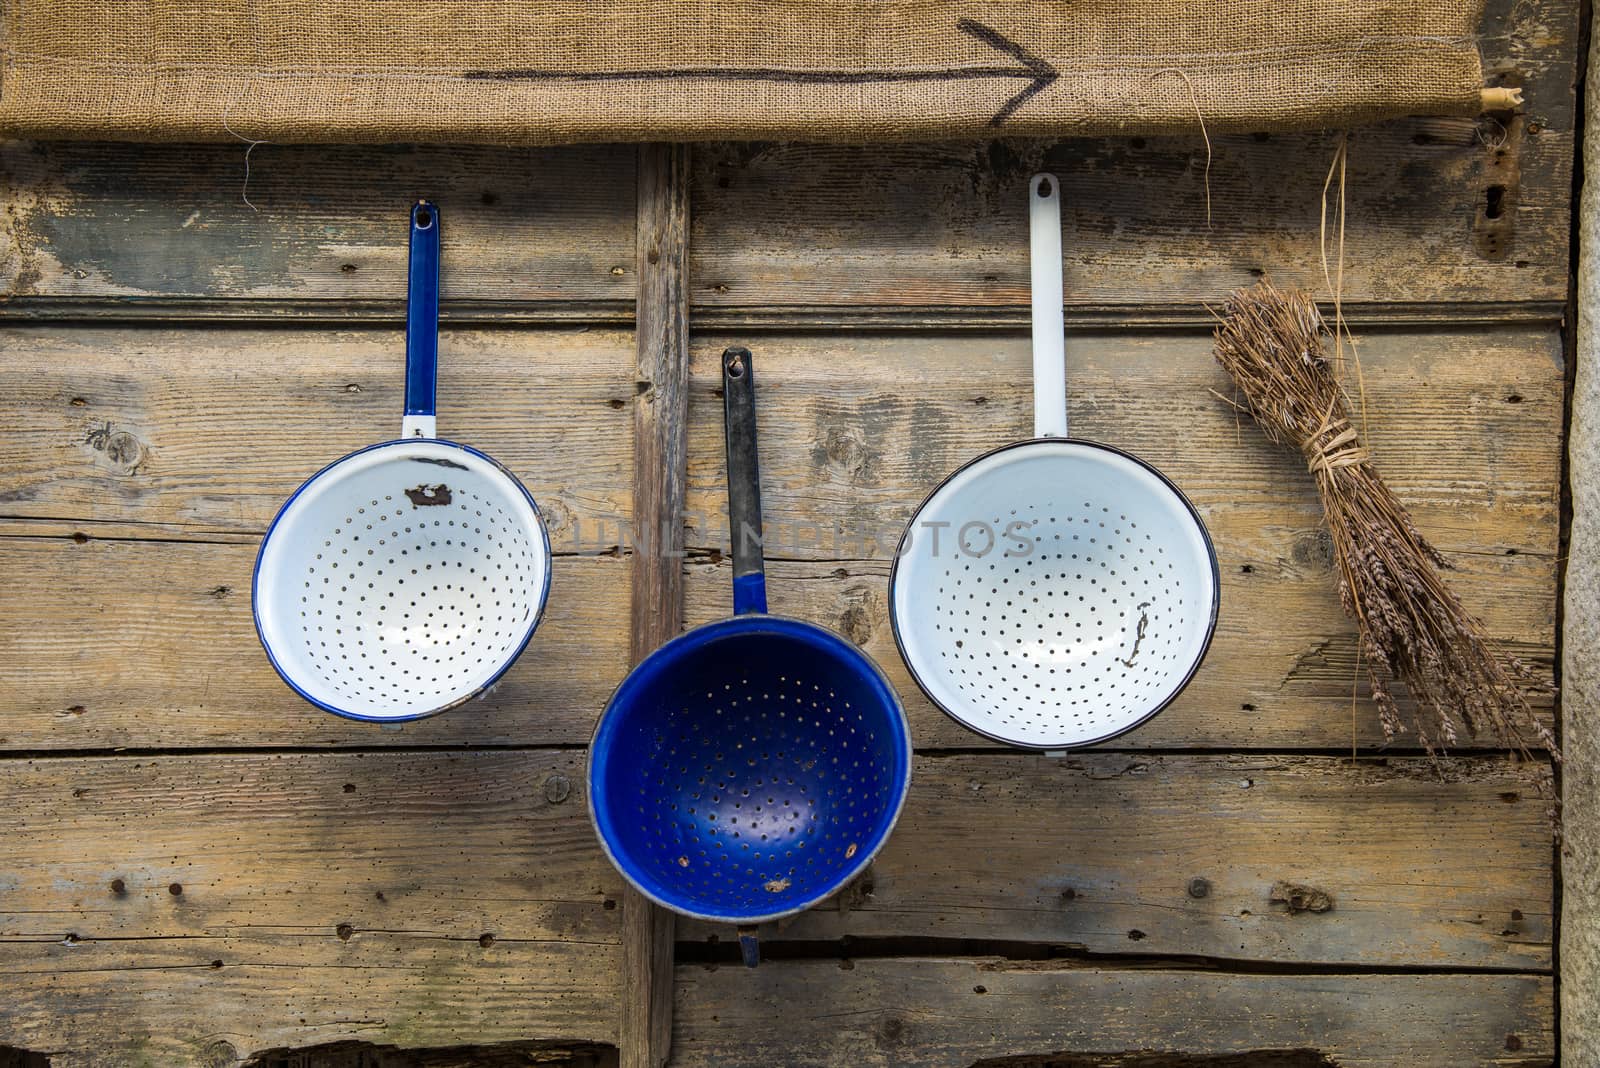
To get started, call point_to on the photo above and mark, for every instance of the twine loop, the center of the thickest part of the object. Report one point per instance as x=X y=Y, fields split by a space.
x=1334 y=444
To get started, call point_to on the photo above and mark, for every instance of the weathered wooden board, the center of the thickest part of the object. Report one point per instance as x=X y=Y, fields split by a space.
x=110 y=625
x=1400 y=863
x=782 y=226
x=855 y=430
x=1464 y=425
x=286 y=862
x=799 y=225
x=168 y=1003
x=660 y=434
x=436 y=844
x=150 y=907
x=209 y=429
x=183 y=435
x=909 y=1012
x=150 y=644
x=310 y=223
x=947 y=224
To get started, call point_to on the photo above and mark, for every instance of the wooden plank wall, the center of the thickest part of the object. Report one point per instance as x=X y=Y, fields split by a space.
x=199 y=869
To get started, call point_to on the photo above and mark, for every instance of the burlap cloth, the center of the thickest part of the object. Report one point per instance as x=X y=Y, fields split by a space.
x=550 y=71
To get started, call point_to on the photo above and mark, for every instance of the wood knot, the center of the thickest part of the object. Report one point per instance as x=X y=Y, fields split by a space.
x=121 y=449
x=855 y=623
x=857 y=893
x=219 y=1054
x=890 y=1032
x=845 y=449
x=557 y=788
x=558 y=519
x=1300 y=898
x=1313 y=549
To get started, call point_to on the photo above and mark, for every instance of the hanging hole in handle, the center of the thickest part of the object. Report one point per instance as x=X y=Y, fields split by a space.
x=1045 y=189
x=424 y=219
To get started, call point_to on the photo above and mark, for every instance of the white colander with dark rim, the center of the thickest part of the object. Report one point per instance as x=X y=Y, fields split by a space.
x=405 y=578
x=1055 y=592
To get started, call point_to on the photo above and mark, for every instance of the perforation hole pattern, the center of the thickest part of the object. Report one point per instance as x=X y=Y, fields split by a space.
x=1056 y=632
x=400 y=608
x=756 y=780
x=1085 y=616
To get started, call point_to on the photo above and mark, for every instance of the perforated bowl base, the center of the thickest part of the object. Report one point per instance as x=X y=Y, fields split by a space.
x=385 y=607
x=1086 y=611
x=756 y=792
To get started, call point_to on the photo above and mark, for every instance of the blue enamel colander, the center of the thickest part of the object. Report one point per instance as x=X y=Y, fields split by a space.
x=749 y=768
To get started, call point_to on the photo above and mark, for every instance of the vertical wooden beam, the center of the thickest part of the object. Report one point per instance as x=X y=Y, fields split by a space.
x=660 y=462
x=1579 y=955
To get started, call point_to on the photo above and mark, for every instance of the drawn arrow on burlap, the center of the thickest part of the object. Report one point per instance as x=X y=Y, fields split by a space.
x=1038 y=72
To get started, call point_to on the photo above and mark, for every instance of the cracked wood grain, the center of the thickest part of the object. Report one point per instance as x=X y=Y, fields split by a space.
x=660 y=429
x=915 y=1012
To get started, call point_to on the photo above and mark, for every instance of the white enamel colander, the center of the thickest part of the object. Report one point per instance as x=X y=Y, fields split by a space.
x=1055 y=592
x=405 y=578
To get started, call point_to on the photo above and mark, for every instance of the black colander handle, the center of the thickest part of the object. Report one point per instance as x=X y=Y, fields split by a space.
x=744 y=480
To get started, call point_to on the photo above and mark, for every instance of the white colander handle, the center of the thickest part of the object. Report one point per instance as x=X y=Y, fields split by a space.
x=1049 y=324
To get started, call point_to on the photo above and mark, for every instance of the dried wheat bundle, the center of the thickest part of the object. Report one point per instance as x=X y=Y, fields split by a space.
x=1413 y=628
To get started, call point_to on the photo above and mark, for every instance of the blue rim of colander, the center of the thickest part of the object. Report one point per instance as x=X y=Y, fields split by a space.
x=538 y=612
x=1194 y=668
x=754 y=623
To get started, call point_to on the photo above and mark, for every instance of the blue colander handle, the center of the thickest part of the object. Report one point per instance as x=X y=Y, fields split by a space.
x=744 y=481
x=422 y=322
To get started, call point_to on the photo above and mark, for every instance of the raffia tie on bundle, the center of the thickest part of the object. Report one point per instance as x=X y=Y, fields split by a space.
x=1413 y=627
x=1334 y=444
